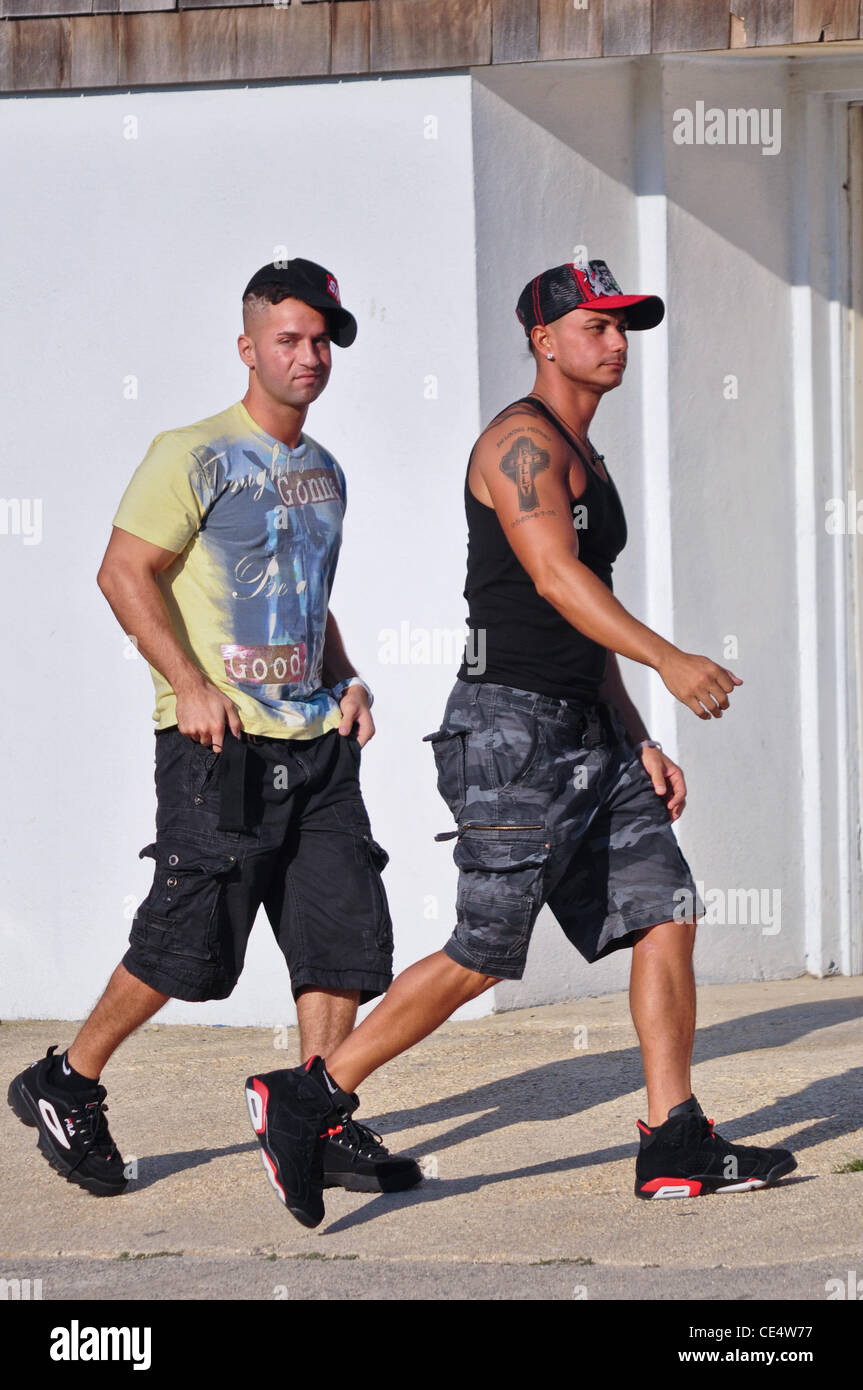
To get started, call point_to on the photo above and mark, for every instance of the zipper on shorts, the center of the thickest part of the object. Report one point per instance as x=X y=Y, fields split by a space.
x=483 y=825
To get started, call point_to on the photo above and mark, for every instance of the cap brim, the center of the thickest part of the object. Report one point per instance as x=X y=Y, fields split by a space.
x=643 y=310
x=342 y=325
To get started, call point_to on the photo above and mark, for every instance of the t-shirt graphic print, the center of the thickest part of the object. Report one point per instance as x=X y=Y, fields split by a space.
x=257 y=528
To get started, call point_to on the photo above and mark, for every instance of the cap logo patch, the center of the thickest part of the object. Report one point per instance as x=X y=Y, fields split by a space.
x=333 y=289
x=601 y=280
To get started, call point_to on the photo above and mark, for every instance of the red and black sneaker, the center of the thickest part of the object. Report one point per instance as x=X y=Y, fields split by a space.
x=293 y=1113
x=685 y=1157
x=73 y=1131
x=357 y=1159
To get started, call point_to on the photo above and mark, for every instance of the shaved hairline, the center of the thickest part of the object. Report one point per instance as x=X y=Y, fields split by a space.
x=255 y=305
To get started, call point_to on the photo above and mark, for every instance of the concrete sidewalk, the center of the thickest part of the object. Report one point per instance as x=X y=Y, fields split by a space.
x=529 y=1120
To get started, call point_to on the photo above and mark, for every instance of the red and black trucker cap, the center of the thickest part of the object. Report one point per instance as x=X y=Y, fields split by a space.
x=592 y=286
x=313 y=285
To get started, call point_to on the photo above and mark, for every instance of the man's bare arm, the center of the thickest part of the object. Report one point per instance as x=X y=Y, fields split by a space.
x=127 y=578
x=354 y=704
x=527 y=480
x=613 y=689
x=336 y=666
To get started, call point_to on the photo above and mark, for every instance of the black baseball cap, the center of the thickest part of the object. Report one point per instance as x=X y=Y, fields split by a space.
x=313 y=285
x=587 y=286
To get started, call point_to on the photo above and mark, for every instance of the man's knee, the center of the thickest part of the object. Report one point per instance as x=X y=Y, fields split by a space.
x=476 y=982
x=669 y=936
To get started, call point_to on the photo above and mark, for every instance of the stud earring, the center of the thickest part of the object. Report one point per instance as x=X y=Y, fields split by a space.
x=550 y=356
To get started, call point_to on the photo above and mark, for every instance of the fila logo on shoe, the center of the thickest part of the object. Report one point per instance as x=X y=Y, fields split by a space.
x=49 y=1115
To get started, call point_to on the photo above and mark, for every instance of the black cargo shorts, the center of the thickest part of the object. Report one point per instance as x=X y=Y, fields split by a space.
x=553 y=805
x=305 y=851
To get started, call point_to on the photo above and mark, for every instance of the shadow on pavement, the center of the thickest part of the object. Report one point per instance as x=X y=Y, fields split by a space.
x=155 y=1167
x=578 y=1083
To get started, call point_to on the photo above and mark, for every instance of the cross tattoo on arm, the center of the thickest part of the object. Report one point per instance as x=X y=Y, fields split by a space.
x=522 y=463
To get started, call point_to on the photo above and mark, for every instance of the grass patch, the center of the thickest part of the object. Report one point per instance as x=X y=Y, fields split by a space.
x=854 y=1165
x=148 y=1254
x=311 y=1255
x=575 y=1260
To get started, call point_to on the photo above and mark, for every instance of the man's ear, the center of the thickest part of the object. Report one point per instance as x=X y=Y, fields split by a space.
x=539 y=340
x=246 y=349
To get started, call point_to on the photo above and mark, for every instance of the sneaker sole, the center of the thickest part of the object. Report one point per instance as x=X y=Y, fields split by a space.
x=663 y=1189
x=359 y=1182
x=257 y=1109
x=21 y=1104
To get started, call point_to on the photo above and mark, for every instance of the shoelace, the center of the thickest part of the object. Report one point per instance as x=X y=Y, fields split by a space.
x=91 y=1126
x=364 y=1140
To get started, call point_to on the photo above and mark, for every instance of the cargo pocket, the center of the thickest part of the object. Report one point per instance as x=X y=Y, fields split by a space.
x=500 y=887
x=513 y=747
x=448 y=747
x=383 y=926
x=179 y=914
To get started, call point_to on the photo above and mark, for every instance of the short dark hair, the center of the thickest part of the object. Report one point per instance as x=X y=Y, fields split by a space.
x=274 y=293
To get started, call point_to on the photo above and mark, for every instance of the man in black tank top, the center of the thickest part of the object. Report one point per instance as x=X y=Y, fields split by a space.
x=558 y=793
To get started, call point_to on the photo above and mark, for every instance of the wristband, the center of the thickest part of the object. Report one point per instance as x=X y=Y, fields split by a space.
x=340 y=687
x=647 y=743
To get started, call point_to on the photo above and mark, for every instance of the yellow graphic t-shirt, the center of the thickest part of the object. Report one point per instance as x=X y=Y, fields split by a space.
x=257 y=529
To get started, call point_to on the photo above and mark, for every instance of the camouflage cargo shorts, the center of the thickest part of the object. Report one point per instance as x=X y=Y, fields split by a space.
x=553 y=805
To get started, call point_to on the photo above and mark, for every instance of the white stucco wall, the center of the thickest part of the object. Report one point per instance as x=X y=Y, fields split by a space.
x=724 y=496
x=127 y=257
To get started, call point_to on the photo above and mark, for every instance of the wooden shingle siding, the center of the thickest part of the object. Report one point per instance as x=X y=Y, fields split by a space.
x=681 y=26
x=273 y=41
x=766 y=22
x=569 y=32
x=515 y=31
x=409 y=34
x=349 y=39
x=834 y=19
x=209 y=4
x=34 y=54
x=130 y=6
x=15 y=9
x=206 y=45
x=152 y=49
x=625 y=27
x=48 y=45
x=94 y=52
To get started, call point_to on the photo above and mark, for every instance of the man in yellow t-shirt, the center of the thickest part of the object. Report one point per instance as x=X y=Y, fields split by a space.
x=220 y=567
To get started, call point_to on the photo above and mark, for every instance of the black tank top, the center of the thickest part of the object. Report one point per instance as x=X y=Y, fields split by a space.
x=516 y=637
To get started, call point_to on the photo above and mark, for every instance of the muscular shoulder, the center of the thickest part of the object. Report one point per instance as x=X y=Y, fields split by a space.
x=225 y=427
x=520 y=444
x=515 y=420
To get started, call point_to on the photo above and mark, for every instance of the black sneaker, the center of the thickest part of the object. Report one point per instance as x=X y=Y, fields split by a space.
x=357 y=1159
x=73 y=1131
x=684 y=1157
x=293 y=1114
